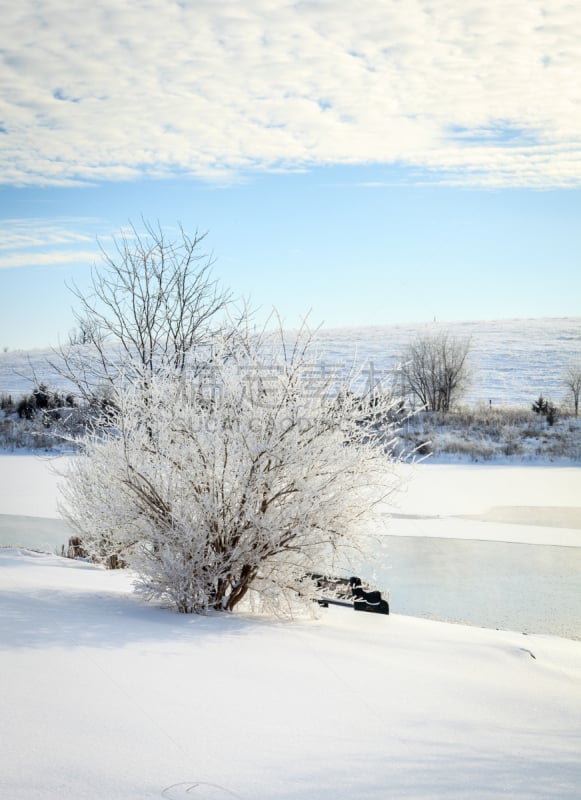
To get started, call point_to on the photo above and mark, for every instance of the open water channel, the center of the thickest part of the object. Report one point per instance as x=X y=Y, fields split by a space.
x=526 y=587
x=523 y=587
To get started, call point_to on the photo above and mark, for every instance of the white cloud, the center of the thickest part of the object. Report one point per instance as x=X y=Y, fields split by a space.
x=484 y=94
x=41 y=242
x=26 y=259
x=37 y=232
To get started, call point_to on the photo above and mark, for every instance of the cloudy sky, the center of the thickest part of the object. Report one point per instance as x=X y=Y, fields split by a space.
x=373 y=162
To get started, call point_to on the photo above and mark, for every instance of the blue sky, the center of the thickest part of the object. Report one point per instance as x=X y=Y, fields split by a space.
x=371 y=164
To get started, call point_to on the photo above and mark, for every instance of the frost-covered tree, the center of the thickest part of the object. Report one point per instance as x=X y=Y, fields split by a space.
x=152 y=301
x=237 y=482
x=435 y=371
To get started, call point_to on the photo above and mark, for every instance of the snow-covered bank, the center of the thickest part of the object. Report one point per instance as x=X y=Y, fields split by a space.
x=531 y=505
x=29 y=484
x=451 y=489
x=107 y=698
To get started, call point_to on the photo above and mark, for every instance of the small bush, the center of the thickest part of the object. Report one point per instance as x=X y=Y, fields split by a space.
x=545 y=408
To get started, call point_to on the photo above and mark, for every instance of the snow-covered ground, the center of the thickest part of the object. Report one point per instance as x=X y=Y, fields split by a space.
x=538 y=504
x=107 y=698
x=512 y=360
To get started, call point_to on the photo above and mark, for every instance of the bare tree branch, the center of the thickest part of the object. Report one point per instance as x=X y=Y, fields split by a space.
x=153 y=302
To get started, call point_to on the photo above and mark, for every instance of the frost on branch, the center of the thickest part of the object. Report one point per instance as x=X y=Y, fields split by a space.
x=241 y=480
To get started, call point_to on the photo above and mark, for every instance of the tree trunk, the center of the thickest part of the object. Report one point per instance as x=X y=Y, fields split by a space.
x=242 y=586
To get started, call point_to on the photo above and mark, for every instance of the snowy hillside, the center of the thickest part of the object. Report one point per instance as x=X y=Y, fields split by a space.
x=513 y=361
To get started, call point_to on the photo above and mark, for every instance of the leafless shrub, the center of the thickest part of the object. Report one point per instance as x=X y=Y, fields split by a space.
x=572 y=381
x=434 y=370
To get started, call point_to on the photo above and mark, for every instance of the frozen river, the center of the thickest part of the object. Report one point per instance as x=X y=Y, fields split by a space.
x=533 y=588
x=36 y=533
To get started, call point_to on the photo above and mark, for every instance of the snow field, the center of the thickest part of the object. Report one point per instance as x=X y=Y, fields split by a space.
x=105 y=697
x=513 y=360
x=531 y=505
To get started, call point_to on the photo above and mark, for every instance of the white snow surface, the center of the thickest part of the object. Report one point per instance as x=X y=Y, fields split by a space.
x=105 y=697
x=527 y=504
x=30 y=484
x=512 y=360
